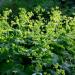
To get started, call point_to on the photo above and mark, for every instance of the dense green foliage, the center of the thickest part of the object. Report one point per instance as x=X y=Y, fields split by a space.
x=37 y=39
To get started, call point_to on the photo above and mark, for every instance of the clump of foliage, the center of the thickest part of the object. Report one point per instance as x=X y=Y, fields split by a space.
x=37 y=42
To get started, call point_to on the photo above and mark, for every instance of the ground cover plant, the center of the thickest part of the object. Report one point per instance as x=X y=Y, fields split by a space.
x=37 y=39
